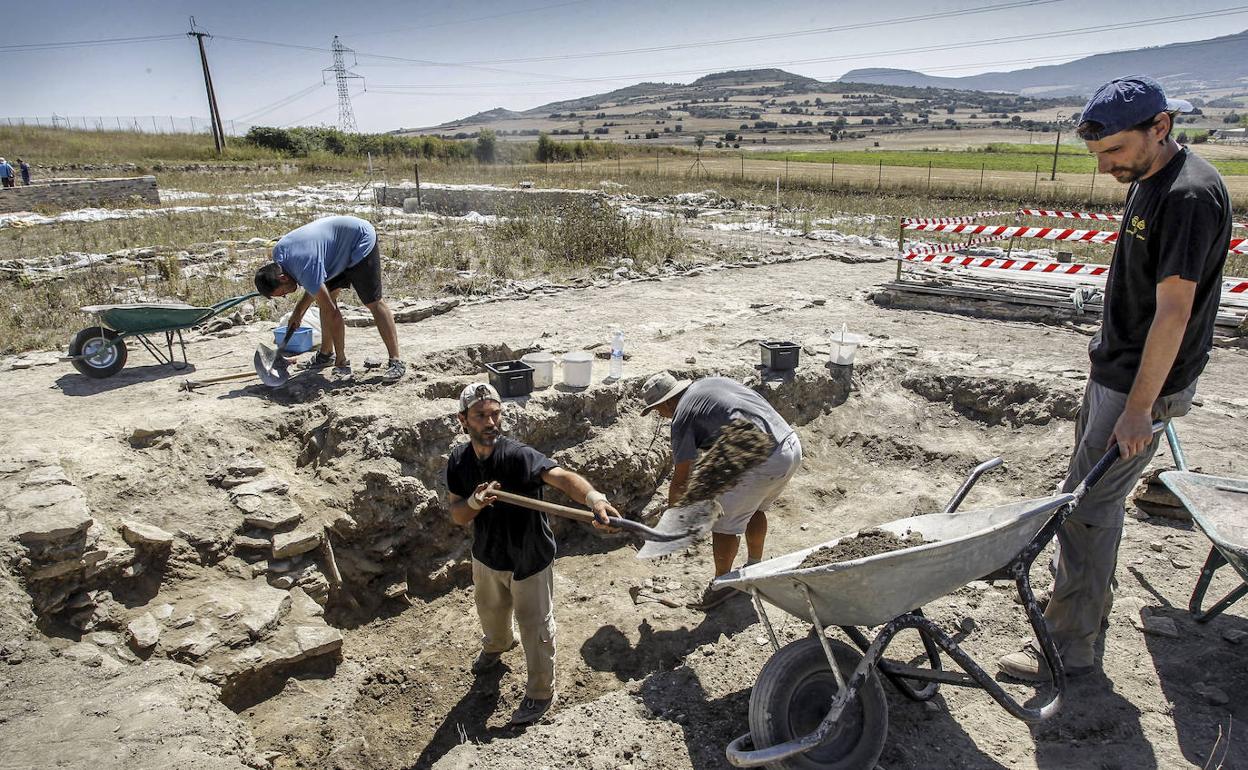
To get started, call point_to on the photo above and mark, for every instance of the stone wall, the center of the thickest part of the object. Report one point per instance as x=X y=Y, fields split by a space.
x=78 y=193
x=457 y=201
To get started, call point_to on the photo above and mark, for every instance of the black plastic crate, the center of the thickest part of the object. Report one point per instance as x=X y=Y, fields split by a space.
x=780 y=355
x=511 y=378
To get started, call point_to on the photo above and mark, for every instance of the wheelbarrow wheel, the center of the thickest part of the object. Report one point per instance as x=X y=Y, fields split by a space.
x=792 y=696
x=93 y=354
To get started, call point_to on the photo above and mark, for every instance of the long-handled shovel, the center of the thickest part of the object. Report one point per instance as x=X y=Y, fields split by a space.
x=696 y=521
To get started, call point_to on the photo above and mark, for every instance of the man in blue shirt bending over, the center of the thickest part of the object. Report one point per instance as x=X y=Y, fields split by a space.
x=322 y=257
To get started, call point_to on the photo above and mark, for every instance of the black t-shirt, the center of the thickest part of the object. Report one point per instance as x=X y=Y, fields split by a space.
x=1177 y=222
x=506 y=537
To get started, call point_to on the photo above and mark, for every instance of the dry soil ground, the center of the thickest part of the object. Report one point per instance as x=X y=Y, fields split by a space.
x=641 y=685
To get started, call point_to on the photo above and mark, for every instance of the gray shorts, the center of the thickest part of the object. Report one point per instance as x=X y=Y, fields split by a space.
x=759 y=487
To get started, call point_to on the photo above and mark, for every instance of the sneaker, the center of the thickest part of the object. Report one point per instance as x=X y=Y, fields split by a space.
x=712 y=597
x=1028 y=665
x=317 y=362
x=394 y=371
x=342 y=372
x=531 y=710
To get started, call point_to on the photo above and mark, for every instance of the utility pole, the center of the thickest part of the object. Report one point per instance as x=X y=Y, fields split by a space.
x=1053 y=176
x=218 y=135
x=346 y=116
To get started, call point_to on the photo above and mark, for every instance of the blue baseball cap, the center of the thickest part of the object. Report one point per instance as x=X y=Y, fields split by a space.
x=1126 y=102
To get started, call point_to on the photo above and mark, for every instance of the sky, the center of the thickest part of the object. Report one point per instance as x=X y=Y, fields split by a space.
x=423 y=63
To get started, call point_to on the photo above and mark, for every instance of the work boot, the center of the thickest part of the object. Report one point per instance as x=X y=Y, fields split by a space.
x=531 y=710
x=486 y=661
x=1028 y=665
x=317 y=362
x=712 y=597
x=394 y=371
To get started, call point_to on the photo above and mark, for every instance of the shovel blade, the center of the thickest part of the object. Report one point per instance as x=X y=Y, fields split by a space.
x=270 y=367
x=689 y=523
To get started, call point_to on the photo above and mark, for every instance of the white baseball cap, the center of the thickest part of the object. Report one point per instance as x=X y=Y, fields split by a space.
x=477 y=391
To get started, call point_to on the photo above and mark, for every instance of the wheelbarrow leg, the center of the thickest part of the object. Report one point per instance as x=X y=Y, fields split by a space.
x=902 y=684
x=1212 y=564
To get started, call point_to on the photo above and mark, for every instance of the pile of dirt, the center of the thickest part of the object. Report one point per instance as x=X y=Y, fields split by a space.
x=741 y=446
x=868 y=542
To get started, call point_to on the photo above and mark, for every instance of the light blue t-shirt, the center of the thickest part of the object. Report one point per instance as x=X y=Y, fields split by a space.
x=6 y=170
x=322 y=249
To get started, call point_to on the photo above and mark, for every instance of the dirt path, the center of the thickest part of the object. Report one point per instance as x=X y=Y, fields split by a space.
x=645 y=685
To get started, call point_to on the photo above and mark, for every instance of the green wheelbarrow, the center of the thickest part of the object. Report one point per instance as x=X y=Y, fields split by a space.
x=99 y=351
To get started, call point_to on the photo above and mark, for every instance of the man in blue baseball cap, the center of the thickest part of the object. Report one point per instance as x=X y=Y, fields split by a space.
x=1161 y=299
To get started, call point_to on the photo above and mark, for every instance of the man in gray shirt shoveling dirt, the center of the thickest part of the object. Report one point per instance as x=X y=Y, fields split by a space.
x=324 y=257
x=1161 y=299
x=699 y=412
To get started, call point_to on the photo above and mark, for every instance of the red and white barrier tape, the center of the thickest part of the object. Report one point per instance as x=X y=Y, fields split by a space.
x=938 y=220
x=985 y=214
x=1004 y=231
x=1229 y=285
x=1070 y=215
x=932 y=249
x=1239 y=246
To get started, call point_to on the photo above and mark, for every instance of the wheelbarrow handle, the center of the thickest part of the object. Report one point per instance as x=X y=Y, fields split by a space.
x=1104 y=464
x=586 y=517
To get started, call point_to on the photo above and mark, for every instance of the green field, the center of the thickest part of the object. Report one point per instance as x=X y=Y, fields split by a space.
x=995 y=157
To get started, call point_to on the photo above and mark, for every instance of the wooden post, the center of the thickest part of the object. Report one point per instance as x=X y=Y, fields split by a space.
x=982 y=166
x=742 y=167
x=416 y=168
x=1036 y=184
x=879 y=180
x=901 y=244
x=1093 y=188
x=929 y=176
x=833 y=183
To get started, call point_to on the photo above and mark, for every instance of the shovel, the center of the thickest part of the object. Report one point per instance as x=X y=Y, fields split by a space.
x=687 y=523
x=271 y=366
x=680 y=536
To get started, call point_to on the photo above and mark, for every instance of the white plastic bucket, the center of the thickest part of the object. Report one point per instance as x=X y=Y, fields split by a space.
x=543 y=368
x=578 y=368
x=844 y=346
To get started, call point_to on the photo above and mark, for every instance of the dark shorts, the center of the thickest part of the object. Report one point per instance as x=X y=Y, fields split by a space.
x=364 y=276
x=8 y=181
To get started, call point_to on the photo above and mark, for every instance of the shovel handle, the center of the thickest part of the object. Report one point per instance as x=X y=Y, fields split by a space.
x=586 y=517
x=541 y=505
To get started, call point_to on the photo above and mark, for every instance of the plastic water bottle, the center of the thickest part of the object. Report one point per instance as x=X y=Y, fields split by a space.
x=617 y=354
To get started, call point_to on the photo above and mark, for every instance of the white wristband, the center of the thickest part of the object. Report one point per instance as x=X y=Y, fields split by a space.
x=595 y=497
x=474 y=502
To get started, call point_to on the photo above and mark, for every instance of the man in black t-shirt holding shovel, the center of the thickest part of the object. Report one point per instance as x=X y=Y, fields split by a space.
x=1161 y=300
x=513 y=550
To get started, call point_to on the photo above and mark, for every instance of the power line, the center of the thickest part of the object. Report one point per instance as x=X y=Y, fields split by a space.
x=51 y=46
x=774 y=35
x=283 y=102
x=472 y=20
x=864 y=55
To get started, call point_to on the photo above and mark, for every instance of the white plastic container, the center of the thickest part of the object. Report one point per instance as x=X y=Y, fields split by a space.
x=543 y=368
x=578 y=368
x=844 y=346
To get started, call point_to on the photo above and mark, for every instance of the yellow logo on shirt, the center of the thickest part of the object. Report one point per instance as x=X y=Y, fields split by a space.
x=1137 y=228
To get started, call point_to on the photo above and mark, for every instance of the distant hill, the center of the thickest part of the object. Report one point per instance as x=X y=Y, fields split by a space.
x=709 y=96
x=1183 y=68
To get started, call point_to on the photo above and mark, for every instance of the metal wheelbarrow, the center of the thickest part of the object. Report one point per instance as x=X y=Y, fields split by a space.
x=1219 y=506
x=100 y=351
x=818 y=702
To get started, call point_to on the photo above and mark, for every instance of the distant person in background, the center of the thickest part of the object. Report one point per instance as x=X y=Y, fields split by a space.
x=6 y=173
x=25 y=169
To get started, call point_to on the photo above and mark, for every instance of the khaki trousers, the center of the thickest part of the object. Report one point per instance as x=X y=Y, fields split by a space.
x=1087 y=543
x=499 y=596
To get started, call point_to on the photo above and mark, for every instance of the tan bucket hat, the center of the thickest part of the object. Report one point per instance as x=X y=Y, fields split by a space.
x=660 y=388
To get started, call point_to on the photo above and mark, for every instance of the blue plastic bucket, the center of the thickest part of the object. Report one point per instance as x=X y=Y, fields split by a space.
x=300 y=343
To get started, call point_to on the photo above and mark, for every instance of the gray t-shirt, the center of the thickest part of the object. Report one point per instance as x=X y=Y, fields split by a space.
x=709 y=404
